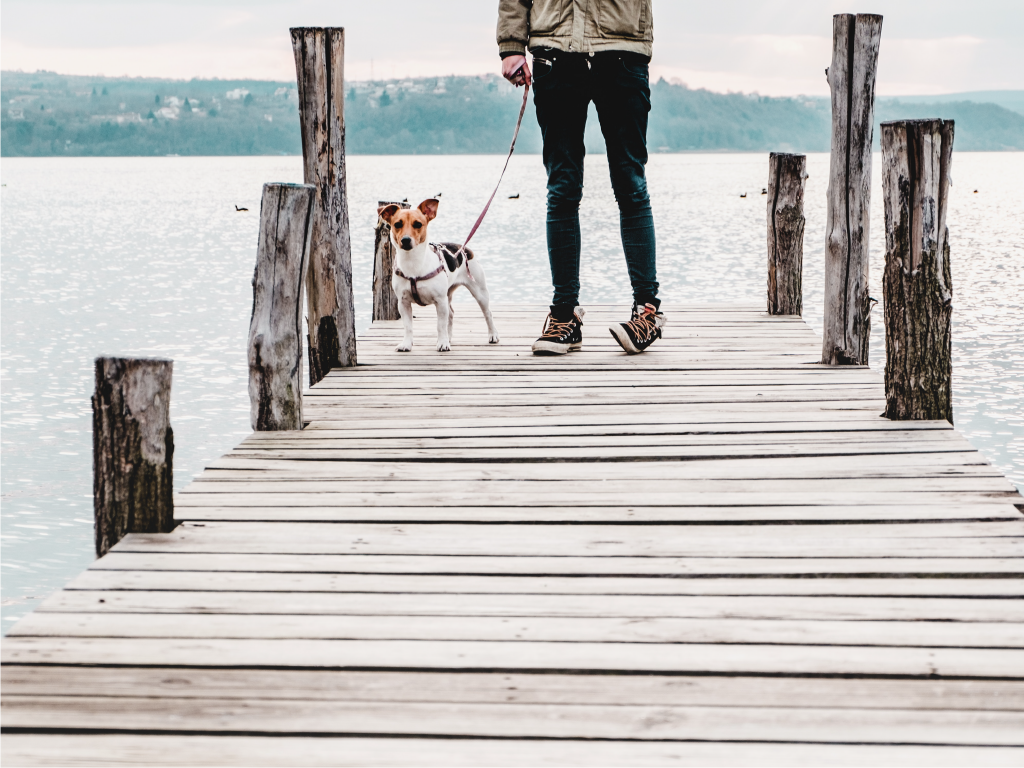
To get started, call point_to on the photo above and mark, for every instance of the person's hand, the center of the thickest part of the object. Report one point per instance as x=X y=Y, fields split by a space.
x=516 y=70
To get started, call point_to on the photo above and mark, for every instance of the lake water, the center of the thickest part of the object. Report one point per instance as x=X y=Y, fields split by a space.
x=147 y=256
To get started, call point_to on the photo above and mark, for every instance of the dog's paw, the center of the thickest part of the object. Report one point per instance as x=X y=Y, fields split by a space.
x=444 y=346
x=403 y=347
x=493 y=339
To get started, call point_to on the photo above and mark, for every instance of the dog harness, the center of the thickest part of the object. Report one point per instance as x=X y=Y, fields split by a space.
x=414 y=280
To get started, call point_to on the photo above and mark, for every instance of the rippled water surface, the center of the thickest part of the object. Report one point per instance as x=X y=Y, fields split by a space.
x=147 y=256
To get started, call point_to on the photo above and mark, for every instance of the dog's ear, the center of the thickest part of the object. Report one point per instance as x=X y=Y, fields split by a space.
x=429 y=208
x=387 y=211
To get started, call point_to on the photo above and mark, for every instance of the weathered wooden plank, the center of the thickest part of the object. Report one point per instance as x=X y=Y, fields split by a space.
x=527 y=629
x=593 y=472
x=545 y=514
x=738 y=461
x=321 y=458
x=858 y=414
x=517 y=720
x=848 y=411
x=276 y=582
x=567 y=536
x=499 y=497
x=687 y=658
x=106 y=749
x=948 y=547
x=309 y=440
x=764 y=421
x=818 y=566
x=466 y=687
x=803 y=607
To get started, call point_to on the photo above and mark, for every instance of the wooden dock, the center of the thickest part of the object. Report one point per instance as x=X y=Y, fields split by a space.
x=716 y=553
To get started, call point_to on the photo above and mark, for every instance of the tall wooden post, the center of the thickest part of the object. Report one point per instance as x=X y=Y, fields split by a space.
x=786 y=177
x=330 y=314
x=847 y=326
x=132 y=449
x=918 y=290
x=385 y=303
x=275 y=328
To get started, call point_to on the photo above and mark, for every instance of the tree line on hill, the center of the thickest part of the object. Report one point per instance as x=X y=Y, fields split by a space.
x=46 y=114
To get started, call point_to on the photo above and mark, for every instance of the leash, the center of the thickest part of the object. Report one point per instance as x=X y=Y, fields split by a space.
x=483 y=213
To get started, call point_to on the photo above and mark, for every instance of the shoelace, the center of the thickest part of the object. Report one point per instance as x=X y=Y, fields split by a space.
x=643 y=323
x=555 y=329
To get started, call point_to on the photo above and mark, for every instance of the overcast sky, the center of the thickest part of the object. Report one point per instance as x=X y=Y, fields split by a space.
x=774 y=47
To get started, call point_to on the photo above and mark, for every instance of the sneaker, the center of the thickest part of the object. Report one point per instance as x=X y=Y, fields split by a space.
x=560 y=336
x=640 y=332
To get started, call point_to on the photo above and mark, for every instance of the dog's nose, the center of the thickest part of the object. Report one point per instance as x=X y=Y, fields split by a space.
x=406 y=243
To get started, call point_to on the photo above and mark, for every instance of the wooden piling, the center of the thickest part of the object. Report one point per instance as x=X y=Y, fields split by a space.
x=851 y=76
x=385 y=303
x=133 y=449
x=917 y=285
x=319 y=66
x=275 y=328
x=786 y=176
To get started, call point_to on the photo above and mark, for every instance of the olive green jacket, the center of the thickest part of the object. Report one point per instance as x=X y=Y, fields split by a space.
x=575 y=25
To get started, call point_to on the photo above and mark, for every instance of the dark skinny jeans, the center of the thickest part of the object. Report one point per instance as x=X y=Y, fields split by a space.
x=618 y=84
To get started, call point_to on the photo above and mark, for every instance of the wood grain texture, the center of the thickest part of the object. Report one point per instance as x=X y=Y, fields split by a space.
x=918 y=287
x=320 y=73
x=55 y=749
x=275 y=327
x=714 y=553
x=851 y=77
x=786 y=176
x=132 y=449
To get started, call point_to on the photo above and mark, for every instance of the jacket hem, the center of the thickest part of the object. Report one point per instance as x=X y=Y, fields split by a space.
x=562 y=44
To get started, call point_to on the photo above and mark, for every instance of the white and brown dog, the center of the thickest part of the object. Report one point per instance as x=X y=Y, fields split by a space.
x=429 y=273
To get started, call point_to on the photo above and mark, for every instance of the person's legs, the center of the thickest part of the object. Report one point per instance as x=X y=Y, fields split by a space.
x=561 y=97
x=622 y=96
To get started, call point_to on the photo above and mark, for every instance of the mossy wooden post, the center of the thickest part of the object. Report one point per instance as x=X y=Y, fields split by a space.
x=385 y=303
x=918 y=291
x=851 y=76
x=786 y=177
x=275 y=328
x=330 y=314
x=132 y=449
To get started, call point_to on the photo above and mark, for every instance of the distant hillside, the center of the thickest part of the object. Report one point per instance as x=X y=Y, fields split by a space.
x=45 y=114
x=1011 y=100
x=979 y=127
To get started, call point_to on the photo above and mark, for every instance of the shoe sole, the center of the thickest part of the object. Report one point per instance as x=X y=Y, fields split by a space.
x=554 y=348
x=625 y=342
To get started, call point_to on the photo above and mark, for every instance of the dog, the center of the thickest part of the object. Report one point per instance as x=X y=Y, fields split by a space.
x=429 y=273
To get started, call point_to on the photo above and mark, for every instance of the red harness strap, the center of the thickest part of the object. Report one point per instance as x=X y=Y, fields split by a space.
x=414 y=280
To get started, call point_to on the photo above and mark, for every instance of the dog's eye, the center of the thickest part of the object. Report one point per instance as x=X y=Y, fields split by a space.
x=417 y=225
x=398 y=225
